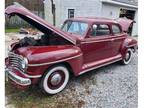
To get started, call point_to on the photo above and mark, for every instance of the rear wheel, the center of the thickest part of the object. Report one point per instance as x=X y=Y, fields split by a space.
x=128 y=57
x=55 y=79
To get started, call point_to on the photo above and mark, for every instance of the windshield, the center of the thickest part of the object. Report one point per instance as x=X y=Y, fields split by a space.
x=75 y=27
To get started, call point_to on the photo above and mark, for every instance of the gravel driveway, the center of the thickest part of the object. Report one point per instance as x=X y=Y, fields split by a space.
x=112 y=86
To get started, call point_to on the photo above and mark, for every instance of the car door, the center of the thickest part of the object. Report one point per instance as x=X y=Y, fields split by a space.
x=96 y=46
x=117 y=38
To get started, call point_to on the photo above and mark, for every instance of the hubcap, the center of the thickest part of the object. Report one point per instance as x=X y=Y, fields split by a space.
x=56 y=79
x=127 y=56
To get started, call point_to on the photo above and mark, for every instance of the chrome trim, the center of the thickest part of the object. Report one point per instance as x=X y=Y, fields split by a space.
x=29 y=76
x=17 y=79
x=132 y=45
x=26 y=63
x=92 y=41
x=99 y=66
x=32 y=76
x=16 y=60
x=26 y=60
x=56 y=79
x=42 y=64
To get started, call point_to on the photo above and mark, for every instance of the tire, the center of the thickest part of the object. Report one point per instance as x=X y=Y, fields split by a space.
x=55 y=79
x=128 y=57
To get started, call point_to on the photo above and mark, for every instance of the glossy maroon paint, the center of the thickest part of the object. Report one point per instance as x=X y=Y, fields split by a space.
x=84 y=54
x=125 y=23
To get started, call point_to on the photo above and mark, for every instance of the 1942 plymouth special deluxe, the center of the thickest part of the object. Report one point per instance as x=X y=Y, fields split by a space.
x=81 y=45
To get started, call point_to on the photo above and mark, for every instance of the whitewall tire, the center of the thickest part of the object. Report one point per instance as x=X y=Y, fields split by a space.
x=128 y=57
x=55 y=79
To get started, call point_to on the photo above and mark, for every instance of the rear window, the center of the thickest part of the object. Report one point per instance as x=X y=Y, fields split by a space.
x=100 y=30
x=116 y=29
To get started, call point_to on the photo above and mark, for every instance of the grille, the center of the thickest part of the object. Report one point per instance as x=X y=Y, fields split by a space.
x=16 y=61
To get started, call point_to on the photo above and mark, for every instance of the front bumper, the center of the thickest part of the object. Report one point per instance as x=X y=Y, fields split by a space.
x=16 y=78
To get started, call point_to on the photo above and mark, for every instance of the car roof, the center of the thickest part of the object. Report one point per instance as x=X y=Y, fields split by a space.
x=94 y=19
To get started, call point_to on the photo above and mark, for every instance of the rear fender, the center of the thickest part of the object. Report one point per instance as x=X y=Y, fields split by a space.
x=128 y=43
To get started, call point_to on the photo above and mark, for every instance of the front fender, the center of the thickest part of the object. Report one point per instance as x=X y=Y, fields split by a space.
x=41 y=58
x=128 y=43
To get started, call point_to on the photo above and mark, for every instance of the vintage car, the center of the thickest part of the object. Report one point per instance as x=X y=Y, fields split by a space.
x=81 y=45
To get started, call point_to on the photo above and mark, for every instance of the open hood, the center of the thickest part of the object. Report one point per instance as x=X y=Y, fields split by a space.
x=125 y=23
x=37 y=22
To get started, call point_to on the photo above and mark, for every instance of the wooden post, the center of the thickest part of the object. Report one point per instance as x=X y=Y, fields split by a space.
x=53 y=12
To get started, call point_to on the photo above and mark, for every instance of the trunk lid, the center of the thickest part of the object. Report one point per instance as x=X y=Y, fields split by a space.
x=125 y=23
x=37 y=22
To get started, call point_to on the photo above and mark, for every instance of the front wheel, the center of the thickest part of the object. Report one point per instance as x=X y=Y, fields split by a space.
x=128 y=57
x=55 y=79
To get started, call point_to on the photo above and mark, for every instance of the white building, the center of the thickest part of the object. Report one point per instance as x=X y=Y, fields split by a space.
x=92 y=8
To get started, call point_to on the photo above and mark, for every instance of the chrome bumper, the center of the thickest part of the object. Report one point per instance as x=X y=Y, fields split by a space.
x=17 y=79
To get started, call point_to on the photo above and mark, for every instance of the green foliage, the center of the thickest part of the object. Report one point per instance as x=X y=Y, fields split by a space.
x=11 y=30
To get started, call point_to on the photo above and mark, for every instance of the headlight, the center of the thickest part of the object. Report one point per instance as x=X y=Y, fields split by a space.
x=24 y=63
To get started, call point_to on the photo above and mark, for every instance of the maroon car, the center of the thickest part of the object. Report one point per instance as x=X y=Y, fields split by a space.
x=82 y=44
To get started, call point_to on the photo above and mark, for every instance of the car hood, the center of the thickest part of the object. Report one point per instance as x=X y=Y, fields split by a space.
x=125 y=23
x=37 y=22
x=47 y=53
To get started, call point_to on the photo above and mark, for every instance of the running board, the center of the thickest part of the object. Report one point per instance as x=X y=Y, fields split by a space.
x=100 y=63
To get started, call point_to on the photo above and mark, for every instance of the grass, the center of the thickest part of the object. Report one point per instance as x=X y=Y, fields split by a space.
x=11 y=30
x=35 y=98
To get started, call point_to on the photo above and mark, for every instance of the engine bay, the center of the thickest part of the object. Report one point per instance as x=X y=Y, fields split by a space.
x=43 y=40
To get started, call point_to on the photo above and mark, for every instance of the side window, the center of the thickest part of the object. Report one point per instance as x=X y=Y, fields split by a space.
x=100 y=30
x=74 y=27
x=116 y=29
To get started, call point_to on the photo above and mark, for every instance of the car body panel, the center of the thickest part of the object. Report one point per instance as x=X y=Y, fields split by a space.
x=40 y=58
x=125 y=23
x=44 y=54
x=92 y=48
x=129 y=42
